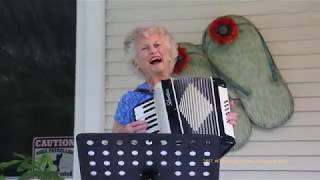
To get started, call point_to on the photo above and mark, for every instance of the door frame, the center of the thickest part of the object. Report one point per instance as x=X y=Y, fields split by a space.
x=90 y=71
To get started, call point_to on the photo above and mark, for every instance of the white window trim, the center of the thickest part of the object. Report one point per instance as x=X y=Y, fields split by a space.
x=90 y=71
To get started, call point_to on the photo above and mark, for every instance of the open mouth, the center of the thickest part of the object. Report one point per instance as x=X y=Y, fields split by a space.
x=155 y=60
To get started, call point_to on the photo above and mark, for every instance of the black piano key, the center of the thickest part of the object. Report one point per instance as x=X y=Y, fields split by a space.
x=146 y=105
x=150 y=116
x=151 y=121
x=147 y=110
x=156 y=124
x=157 y=131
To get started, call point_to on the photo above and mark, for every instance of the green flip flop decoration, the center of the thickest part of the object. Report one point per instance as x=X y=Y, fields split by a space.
x=236 y=49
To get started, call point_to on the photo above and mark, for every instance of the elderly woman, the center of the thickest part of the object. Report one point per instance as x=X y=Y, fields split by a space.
x=152 y=51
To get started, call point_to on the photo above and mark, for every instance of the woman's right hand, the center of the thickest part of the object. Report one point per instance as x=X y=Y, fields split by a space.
x=139 y=126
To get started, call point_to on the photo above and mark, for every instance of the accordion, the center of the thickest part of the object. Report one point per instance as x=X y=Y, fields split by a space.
x=188 y=105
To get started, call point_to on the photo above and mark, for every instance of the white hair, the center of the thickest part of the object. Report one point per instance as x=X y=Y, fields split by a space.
x=141 y=32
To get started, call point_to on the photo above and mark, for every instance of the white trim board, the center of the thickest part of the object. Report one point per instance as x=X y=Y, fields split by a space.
x=90 y=71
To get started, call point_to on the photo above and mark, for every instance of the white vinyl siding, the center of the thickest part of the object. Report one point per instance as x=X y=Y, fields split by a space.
x=291 y=29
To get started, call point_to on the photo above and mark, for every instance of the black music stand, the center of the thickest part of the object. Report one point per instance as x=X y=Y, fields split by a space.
x=105 y=156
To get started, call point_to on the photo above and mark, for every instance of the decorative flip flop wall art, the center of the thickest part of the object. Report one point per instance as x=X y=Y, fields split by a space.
x=234 y=50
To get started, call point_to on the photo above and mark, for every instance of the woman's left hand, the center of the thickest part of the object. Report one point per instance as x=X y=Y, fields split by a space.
x=232 y=117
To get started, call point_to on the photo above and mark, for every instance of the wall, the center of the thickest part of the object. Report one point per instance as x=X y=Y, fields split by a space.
x=291 y=30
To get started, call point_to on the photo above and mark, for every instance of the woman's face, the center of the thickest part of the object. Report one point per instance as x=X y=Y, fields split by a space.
x=153 y=56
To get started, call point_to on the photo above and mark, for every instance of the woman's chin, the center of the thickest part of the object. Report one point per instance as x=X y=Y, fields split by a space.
x=157 y=68
x=160 y=72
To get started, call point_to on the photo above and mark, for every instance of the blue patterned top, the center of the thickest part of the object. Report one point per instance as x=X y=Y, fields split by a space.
x=124 y=113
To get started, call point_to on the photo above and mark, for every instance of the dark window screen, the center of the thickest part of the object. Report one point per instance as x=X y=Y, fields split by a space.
x=37 y=72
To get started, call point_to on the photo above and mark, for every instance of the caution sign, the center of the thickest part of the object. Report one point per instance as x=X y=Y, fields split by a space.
x=60 y=149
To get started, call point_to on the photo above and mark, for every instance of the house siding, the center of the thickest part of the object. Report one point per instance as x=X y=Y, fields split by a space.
x=291 y=31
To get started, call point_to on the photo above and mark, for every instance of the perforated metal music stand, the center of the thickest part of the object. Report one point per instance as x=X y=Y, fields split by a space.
x=149 y=156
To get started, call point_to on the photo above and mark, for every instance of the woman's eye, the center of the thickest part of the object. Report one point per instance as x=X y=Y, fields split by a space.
x=157 y=45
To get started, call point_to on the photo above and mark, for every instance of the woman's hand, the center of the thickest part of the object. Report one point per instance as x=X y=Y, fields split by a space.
x=139 y=126
x=232 y=117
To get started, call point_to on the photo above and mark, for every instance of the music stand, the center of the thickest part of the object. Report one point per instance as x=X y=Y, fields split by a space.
x=105 y=156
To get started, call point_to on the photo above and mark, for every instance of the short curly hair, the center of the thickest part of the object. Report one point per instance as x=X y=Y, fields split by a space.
x=139 y=32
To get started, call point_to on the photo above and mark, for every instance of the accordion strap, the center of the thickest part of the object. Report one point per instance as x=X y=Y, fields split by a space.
x=144 y=91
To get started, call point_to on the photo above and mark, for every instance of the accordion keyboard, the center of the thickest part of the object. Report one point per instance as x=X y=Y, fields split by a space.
x=147 y=111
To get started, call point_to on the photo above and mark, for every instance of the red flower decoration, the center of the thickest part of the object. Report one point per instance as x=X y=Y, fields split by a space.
x=182 y=61
x=223 y=30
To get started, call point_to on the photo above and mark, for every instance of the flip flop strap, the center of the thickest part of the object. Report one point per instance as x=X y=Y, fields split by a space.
x=271 y=64
x=270 y=60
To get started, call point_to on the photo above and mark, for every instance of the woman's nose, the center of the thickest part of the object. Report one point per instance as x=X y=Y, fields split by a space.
x=153 y=50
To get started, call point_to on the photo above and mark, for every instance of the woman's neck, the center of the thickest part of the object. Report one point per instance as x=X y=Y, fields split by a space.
x=154 y=80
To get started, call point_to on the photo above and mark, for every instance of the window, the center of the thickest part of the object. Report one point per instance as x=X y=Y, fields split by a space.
x=37 y=73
